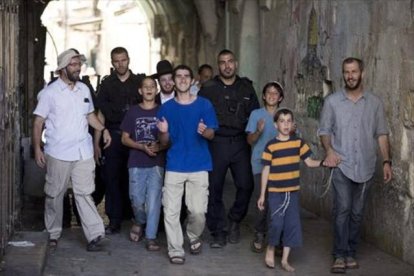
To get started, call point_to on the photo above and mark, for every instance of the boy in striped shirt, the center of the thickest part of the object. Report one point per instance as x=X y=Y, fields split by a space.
x=280 y=176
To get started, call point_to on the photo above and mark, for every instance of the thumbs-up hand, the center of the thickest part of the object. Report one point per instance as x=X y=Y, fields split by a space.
x=162 y=125
x=201 y=127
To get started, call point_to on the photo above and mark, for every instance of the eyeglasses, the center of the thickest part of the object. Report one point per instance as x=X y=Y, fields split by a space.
x=74 y=64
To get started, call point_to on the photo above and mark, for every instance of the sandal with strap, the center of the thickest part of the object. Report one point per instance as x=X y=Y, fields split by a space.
x=258 y=244
x=152 y=245
x=351 y=263
x=338 y=266
x=179 y=260
x=196 y=246
x=52 y=245
x=135 y=234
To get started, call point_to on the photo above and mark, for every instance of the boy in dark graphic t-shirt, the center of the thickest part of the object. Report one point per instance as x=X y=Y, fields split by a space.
x=145 y=164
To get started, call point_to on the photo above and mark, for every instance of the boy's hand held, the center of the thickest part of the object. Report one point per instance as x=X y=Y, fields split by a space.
x=260 y=203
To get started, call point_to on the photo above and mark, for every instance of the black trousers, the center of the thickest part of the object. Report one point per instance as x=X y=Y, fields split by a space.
x=99 y=193
x=115 y=171
x=234 y=154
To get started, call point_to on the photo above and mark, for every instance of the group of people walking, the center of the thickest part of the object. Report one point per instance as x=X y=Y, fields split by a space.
x=170 y=150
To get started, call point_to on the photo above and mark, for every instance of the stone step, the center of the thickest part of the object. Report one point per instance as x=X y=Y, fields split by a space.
x=25 y=254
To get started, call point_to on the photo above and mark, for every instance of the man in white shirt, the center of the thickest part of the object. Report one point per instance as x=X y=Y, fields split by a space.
x=65 y=109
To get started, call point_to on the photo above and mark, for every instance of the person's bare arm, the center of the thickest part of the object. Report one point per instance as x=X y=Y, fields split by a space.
x=163 y=134
x=204 y=131
x=97 y=125
x=312 y=163
x=252 y=137
x=127 y=141
x=97 y=139
x=384 y=146
x=36 y=141
x=263 y=186
x=332 y=159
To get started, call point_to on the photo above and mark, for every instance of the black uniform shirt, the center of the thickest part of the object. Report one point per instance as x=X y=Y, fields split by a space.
x=233 y=104
x=115 y=97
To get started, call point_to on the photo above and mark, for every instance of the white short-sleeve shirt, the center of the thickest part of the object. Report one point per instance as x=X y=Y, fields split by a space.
x=65 y=112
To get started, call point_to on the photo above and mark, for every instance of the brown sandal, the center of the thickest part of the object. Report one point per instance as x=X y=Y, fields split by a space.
x=152 y=245
x=258 y=245
x=196 y=246
x=52 y=245
x=178 y=260
x=351 y=263
x=338 y=266
x=135 y=234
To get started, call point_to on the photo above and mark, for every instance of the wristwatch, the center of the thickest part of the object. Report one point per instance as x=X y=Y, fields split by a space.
x=387 y=162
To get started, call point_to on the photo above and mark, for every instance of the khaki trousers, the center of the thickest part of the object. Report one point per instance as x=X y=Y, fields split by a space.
x=196 y=199
x=58 y=176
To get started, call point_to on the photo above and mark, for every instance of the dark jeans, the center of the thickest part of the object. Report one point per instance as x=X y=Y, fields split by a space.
x=261 y=220
x=233 y=154
x=117 y=203
x=349 y=200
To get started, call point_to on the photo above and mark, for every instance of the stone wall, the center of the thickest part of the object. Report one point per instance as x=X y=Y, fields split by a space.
x=302 y=44
x=313 y=37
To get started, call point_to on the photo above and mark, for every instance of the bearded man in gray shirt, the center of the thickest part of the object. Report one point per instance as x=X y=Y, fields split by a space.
x=352 y=126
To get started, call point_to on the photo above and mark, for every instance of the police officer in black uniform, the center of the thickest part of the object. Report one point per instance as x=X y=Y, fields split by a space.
x=117 y=93
x=233 y=98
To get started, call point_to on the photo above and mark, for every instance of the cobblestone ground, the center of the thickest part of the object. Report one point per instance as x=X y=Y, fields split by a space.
x=123 y=257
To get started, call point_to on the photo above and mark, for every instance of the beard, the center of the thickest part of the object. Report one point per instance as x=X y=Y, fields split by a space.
x=226 y=75
x=167 y=90
x=351 y=86
x=73 y=76
x=122 y=71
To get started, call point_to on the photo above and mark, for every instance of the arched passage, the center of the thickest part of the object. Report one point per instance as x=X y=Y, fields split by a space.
x=193 y=31
x=96 y=27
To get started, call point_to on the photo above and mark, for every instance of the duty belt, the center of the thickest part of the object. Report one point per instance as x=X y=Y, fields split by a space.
x=229 y=139
x=115 y=131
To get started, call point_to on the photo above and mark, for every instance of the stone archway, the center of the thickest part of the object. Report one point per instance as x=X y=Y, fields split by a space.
x=94 y=28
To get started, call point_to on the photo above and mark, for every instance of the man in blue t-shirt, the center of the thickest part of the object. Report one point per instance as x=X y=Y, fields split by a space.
x=186 y=123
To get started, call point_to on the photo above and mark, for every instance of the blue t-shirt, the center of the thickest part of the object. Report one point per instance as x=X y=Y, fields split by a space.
x=141 y=125
x=189 y=150
x=268 y=133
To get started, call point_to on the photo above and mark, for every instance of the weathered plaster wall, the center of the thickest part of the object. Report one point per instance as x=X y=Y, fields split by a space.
x=302 y=44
